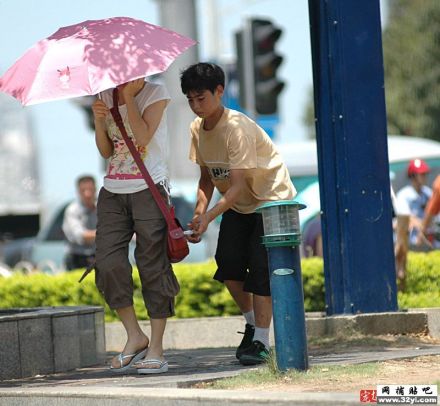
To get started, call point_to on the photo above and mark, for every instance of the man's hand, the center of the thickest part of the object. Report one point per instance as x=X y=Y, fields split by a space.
x=422 y=240
x=200 y=223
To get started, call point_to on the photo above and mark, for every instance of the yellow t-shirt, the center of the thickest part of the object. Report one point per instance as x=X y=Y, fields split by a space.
x=237 y=142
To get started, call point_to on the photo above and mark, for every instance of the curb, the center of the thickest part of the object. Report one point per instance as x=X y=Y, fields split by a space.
x=217 y=332
x=168 y=397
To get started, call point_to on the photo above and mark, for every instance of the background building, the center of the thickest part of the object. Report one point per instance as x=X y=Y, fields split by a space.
x=19 y=182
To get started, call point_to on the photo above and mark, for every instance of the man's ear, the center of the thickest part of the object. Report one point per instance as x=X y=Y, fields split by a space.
x=220 y=90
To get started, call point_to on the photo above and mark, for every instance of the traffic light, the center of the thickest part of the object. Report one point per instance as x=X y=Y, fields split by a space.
x=266 y=62
x=257 y=65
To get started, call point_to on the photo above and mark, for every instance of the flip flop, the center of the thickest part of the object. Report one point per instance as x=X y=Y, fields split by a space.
x=134 y=358
x=162 y=366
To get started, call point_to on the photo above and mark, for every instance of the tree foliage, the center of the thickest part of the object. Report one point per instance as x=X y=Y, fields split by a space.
x=411 y=43
x=411 y=48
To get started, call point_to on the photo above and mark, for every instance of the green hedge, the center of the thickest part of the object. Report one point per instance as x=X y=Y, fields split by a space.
x=422 y=281
x=200 y=295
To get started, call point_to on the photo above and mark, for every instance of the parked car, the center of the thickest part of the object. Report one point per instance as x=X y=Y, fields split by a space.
x=302 y=163
x=301 y=159
x=46 y=251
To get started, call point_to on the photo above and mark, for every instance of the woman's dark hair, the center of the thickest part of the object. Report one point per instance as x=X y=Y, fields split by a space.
x=202 y=76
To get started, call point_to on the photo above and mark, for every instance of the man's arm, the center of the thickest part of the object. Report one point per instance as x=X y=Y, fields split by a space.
x=204 y=195
x=431 y=210
x=432 y=207
x=201 y=221
x=204 y=192
x=74 y=229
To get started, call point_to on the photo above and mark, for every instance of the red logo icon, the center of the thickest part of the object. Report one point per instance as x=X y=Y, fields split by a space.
x=368 y=396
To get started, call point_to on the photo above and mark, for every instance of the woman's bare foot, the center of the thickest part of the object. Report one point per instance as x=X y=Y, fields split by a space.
x=132 y=347
x=153 y=354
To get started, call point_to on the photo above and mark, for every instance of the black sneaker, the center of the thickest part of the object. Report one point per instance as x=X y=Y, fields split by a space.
x=247 y=340
x=257 y=353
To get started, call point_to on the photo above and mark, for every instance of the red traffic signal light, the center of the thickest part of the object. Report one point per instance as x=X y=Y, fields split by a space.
x=265 y=35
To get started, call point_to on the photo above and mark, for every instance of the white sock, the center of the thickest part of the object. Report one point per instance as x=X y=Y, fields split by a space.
x=262 y=335
x=250 y=317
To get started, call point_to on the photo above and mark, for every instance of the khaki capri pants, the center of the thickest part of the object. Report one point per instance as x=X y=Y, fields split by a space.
x=119 y=217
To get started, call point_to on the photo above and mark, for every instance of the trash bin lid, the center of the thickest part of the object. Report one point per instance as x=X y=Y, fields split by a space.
x=266 y=205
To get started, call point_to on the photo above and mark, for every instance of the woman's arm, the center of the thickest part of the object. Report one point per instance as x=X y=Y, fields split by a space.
x=143 y=126
x=103 y=142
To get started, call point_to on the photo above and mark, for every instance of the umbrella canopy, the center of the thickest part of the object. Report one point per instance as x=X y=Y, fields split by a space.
x=89 y=57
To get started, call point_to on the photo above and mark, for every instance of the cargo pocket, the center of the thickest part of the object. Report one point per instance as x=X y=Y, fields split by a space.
x=170 y=285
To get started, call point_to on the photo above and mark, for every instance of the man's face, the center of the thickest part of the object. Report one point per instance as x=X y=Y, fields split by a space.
x=421 y=178
x=205 y=103
x=87 y=192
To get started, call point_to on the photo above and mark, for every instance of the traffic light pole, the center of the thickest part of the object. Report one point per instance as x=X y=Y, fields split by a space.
x=353 y=163
x=179 y=15
x=247 y=77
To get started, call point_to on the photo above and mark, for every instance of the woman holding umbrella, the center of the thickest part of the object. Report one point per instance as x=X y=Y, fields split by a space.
x=86 y=59
x=126 y=208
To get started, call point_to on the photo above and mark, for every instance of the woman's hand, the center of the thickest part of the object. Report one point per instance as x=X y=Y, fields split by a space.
x=133 y=87
x=103 y=142
x=194 y=237
x=100 y=111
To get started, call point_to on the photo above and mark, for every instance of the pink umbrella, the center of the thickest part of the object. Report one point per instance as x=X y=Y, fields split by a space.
x=89 y=57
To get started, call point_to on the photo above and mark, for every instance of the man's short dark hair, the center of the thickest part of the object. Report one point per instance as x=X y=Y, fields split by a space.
x=202 y=76
x=85 y=178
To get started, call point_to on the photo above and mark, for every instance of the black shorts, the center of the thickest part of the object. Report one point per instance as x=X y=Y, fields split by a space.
x=240 y=254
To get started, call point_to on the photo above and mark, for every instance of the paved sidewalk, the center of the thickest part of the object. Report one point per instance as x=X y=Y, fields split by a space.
x=98 y=385
x=191 y=363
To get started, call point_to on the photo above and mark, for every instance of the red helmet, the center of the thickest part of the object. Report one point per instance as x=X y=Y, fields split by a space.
x=417 y=166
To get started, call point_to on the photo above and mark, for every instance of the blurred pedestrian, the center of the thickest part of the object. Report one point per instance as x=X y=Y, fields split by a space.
x=430 y=229
x=79 y=225
x=126 y=207
x=412 y=199
x=312 y=238
x=410 y=205
x=237 y=157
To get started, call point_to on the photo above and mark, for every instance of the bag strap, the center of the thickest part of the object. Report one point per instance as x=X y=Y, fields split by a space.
x=136 y=156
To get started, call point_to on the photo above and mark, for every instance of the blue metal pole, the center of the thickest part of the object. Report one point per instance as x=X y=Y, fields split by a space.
x=353 y=163
x=288 y=307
